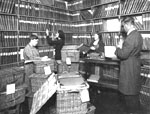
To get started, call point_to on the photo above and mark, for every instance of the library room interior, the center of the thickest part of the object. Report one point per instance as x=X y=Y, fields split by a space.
x=74 y=56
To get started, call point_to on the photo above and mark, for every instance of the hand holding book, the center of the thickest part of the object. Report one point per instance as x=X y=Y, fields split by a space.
x=119 y=45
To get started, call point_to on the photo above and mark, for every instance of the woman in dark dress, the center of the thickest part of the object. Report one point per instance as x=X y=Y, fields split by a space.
x=57 y=42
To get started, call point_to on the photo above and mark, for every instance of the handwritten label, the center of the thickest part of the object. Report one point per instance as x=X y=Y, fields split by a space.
x=10 y=89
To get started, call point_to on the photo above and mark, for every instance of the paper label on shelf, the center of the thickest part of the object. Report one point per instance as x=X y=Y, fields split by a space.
x=47 y=70
x=84 y=94
x=21 y=54
x=68 y=61
x=10 y=89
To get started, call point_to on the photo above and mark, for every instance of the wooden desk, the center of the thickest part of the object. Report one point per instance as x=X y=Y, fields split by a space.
x=108 y=72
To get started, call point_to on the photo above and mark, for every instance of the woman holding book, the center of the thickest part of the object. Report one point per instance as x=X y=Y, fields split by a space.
x=97 y=45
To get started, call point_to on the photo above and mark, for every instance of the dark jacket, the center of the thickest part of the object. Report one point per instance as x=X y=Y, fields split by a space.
x=58 y=44
x=99 y=47
x=129 y=80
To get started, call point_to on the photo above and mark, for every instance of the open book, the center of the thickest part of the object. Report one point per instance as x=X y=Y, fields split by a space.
x=83 y=48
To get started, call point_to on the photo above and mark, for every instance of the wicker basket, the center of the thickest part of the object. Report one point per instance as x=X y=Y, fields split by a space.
x=69 y=102
x=37 y=80
x=12 y=99
x=12 y=75
x=39 y=66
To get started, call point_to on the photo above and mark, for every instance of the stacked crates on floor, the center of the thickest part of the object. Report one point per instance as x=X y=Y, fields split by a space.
x=41 y=72
x=10 y=99
x=38 y=72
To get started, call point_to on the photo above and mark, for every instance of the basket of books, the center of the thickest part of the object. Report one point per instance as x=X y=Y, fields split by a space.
x=39 y=66
x=10 y=100
x=69 y=100
x=11 y=75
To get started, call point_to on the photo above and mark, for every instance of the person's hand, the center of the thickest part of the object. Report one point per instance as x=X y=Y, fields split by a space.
x=120 y=44
x=92 y=48
x=47 y=32
x=44 y=58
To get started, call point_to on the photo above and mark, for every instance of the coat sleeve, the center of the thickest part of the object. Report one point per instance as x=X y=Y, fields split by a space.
x=127 y=48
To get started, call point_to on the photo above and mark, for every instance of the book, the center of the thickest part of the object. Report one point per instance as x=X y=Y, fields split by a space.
x=84 y=48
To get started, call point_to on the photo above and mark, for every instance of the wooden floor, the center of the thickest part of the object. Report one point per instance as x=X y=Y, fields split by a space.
x=105 y=100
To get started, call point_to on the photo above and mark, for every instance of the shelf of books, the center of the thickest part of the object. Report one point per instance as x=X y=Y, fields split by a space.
x=8 y=34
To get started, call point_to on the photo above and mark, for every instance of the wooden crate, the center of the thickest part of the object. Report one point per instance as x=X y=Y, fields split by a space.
x=71 y=52
x=39 y=66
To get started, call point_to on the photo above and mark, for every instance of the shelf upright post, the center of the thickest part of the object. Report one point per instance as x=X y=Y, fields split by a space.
x=18 y=32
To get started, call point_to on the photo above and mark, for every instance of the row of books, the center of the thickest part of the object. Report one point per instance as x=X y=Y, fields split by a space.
x=76 y=17
x=34 y=24
x=7 y=6
x=138 y=21
x=106 y=10
x=44 y=2
x=110 y=71
x=146 y=21
x=89 y=3
x=82 y=38
x=110 y=39
x=8 y=22
x=146 y=41
x=8 y=55
x=74 y=27
x=82 y=27
x=8 y=39
x=86 y=14
x=60 y=4
x=61 y=14
x=68 y=38
x=46 y=51
x=79 y=4
x=35 y=10
x=98 y=25
x=29 y=9
x=24 y=38
x=66 y=27
x=134 y=6
x=145 y=71
x=75 y=5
